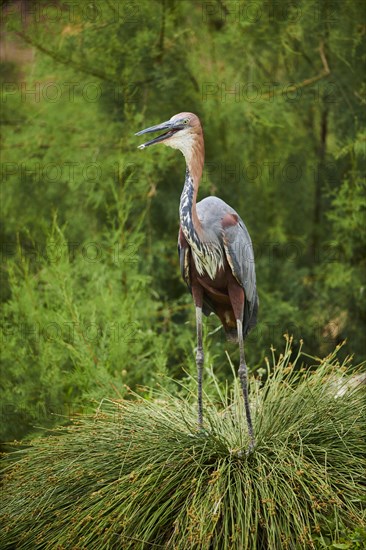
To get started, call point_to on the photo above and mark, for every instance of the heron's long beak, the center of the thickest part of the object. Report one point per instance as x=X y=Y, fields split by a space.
x=168 y=125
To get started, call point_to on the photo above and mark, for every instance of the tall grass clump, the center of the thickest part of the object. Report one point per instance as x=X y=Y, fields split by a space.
x=137 y=474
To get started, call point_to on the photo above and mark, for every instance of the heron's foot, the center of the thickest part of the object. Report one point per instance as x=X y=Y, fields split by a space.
x=201 y=433
x=249 y=450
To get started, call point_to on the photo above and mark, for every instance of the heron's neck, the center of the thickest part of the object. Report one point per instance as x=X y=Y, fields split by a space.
x=189 y=221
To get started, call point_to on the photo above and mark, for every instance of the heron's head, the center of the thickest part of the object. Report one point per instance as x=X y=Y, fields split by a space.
x=183 y=131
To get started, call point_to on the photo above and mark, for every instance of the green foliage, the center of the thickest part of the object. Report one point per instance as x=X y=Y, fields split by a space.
x=344 y=276
x=285 y=149
x=137 y=473
x=77 y=327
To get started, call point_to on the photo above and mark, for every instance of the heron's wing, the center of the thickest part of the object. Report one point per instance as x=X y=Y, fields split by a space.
x=240 y=256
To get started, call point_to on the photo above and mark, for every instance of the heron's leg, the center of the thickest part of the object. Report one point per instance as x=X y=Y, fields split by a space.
x=243 y=376
x=199 y=363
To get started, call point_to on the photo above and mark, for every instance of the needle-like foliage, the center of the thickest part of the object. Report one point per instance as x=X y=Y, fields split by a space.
x=138 y=475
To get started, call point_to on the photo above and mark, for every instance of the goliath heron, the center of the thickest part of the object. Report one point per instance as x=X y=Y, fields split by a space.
x=215 y=251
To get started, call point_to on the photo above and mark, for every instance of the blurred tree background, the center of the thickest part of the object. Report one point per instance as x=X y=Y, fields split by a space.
x=92 y=300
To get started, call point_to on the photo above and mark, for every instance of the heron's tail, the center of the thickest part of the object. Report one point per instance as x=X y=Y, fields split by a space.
x=250 y=320
x=250 y=316
x=226 y=316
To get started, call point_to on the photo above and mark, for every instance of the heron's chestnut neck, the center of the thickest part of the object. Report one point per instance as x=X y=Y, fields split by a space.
x=194 y=153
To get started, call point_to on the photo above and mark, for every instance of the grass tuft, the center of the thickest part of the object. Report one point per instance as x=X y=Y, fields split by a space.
x=138 y=475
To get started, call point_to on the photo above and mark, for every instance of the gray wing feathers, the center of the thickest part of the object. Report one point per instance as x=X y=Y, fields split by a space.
x=239 y=253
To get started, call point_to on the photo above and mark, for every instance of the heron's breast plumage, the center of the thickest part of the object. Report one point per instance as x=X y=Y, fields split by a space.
x=208 y=260
x=207 y=250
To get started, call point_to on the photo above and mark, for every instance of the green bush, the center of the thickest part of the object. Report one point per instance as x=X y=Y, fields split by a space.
x=284 y=145
x=138 y=474
x=80 y=323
